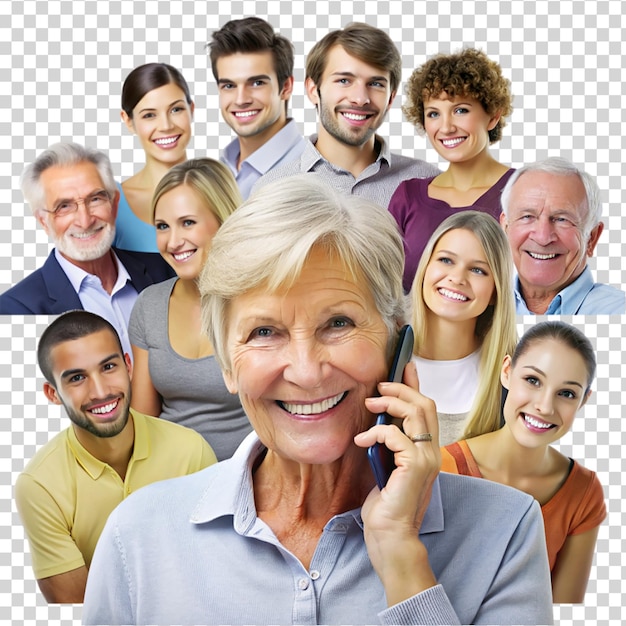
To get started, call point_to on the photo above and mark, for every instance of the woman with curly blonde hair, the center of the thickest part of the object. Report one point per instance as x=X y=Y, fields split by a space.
x=460 y=101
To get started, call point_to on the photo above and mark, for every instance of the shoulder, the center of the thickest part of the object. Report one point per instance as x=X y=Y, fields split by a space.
x=50 y=460
x=166 y=431
x=483 y=498
x=157 y=293
x=416 y=168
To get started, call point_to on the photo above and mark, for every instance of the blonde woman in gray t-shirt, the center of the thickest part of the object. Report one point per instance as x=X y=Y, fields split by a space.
x=176 y=376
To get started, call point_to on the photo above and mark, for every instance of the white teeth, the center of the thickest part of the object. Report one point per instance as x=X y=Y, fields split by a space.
x=355 y=117
x=245 y=113
x=536 y=423
x=313 y=409
x=166 y=140
x=541 y=257
x=107 y=408
x=449 y=143
x=183 y=256
x=453 y=294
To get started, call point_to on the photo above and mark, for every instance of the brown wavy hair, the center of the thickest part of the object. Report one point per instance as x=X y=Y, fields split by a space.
x=469 y=72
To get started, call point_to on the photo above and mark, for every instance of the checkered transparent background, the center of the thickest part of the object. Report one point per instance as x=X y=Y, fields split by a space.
x=62 y=65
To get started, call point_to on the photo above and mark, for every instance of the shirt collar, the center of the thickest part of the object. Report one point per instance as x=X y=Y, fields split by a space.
x=567 y=302
x=93 y=466
x=311 y=155
x=230 y=493
x=264 y=158
x=77 y=275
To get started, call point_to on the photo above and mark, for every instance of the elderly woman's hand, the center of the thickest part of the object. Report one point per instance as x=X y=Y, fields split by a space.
x=392 y=517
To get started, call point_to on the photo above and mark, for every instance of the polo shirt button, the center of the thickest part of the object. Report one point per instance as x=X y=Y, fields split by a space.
x=303 y=584
x=314 y=574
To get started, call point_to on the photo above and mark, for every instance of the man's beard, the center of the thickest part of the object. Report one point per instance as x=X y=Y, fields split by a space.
x=103 y=431
x=66 y=244
x=356 y=138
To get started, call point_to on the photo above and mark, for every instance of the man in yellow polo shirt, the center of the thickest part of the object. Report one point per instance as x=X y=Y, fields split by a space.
x=66 y=492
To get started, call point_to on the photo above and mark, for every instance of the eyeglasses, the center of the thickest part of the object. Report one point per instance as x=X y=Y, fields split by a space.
x=93 y=202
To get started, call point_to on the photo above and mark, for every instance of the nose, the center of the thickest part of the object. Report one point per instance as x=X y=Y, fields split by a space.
x=176 y=238
x=447 y=123
x=359 y=94
x=543 y=231
x=243 y=95
x=457 y=274
x=83 y=217
x=544 y=404
x=98 y=388
x=165 y=122
x=307 y=363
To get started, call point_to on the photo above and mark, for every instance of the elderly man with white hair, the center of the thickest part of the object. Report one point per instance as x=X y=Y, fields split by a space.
x=551 y=214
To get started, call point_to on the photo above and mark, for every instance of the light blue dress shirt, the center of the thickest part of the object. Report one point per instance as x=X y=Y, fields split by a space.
x=114 y=307
x=193 y=551
x=285 y=146
x=582 y=297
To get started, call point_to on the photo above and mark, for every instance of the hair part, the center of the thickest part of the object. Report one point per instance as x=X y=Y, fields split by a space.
x=249 y=35
x=211 y=180
x=369 y=44
x=469 y=72
x=69 y=326
x=266 y=243
x=568 y=335
x=495 y=327
x=148 y=77
x=558 y=166
x=63 y=154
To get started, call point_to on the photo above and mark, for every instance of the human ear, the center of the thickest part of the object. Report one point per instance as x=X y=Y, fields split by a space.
x=51 y=393
x=312 y=91
x=287 y=89
x=594 y=236
x=505 y=373
x=493 y=122
x=128 y=121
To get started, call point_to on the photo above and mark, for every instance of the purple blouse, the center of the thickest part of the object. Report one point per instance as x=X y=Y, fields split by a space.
x=418 y=215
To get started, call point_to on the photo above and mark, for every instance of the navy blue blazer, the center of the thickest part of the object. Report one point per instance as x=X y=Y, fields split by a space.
x=48 y=291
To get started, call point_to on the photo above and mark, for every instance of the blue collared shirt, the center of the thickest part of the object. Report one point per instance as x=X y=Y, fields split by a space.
x=285 y=146
x=193 y=550
x=114 y=307
x=582 y=297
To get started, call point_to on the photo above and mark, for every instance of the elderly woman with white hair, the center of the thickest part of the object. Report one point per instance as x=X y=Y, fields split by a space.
x=302 y=299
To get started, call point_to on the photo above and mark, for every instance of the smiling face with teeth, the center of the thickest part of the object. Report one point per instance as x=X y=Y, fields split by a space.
x=84 y=235
x=185 y=227
x=92 y=382
x=458 y=128
x=544 y=224
x=352 y=99
x=458 y=282
x=546 y=388
x=162 y=122
x=305 y=358
x=251 y=100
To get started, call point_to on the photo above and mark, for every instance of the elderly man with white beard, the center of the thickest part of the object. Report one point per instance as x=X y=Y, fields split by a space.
x=73 y=196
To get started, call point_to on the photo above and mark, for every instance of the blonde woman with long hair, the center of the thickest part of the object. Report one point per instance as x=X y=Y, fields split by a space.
x=464 y=322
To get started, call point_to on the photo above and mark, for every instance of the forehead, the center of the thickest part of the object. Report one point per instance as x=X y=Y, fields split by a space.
x=181 y=200
x=338 y=61
x=160 y=97
x=459 y=240
x=71 y=181
x=84 y=353
x=555 y=358
x=243 y=65
x=551 y=192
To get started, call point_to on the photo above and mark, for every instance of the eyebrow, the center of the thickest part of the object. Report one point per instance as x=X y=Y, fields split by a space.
x=450 y=253
x=249 y=79
x=171 y=104
x=73 y=372
x=565 y=382
x=352 y=75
